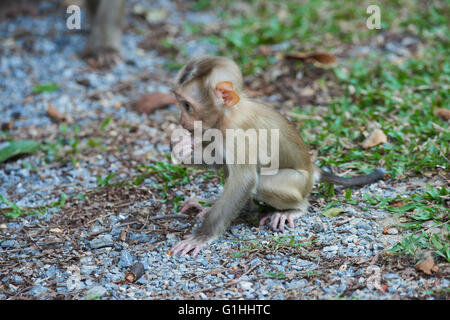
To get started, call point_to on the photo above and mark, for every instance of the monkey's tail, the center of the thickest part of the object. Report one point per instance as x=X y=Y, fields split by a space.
x=328 y=176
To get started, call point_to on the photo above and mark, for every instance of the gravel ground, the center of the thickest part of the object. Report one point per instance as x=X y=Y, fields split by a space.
x=84 y=247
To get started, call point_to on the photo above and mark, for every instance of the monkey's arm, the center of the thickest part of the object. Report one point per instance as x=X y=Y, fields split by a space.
x=238 y=189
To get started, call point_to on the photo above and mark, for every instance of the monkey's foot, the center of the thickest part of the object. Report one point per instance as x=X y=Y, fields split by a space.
x=278 y=220
x=192 y=243
x=102 y=58
x=195 y=204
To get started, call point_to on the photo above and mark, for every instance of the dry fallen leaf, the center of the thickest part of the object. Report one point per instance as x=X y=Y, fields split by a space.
x=147 y=103
x=427 y=266
x=375 y=138
x=317 y=58
x=346 y=143
x=55 y=114
x=443 y=113
x=265 y=50
x=123 y=235
x=291 y=275
x=397 y=204
x=7 y=126
x=333 y=212
x=307 y=92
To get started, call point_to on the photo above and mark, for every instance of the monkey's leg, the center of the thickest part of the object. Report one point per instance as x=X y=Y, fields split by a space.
x=104 y=42
x=278 y=220
x=287 y=191
x=194 y=203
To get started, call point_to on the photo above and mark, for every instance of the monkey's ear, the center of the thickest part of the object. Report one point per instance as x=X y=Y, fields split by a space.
x=225 y=92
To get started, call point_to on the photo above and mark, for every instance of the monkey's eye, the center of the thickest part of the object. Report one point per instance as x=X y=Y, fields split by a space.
x=187 y=106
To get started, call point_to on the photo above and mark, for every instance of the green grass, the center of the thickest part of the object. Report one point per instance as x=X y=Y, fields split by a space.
x=426 y=222
x=168 y=175
x=276 y=275
x=285 y=244
x=390 y=96
x=17 y=148
x=48 y=87
x=308 y=24
x=14 y=211
x=70 y=143
x=105 y=123
x=106 y=180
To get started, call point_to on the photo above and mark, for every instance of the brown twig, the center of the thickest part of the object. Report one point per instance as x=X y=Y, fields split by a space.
x=170 y=216
x=136 y=271
x=250 y=269
x=440 y=152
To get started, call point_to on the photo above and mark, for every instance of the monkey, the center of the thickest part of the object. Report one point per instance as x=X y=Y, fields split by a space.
x=104 y=41
x=209 y=89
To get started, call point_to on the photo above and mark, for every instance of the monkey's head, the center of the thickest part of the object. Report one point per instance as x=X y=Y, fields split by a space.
x=206 y=88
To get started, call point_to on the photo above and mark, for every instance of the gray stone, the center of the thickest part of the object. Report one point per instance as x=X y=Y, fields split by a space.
x=10 y=244
x=101 y=242
x=38 y=290
x=139 y=237
x=126 y=260
x=330 y=248
x=297 y=283
x=14 y=225
x=254 y=262
x=245 y=285
x=318 y=227
x=392 y=231
x=17 y=279
x=51 y=272
x=87 y=269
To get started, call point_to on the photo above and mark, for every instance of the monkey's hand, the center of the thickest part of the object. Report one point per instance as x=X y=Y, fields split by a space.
x=191 y=243
x=278 y=220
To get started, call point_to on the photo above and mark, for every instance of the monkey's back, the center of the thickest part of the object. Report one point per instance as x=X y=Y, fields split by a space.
x=293 y=153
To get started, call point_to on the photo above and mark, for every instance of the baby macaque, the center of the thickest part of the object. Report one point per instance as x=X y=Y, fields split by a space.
x=209 y=92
